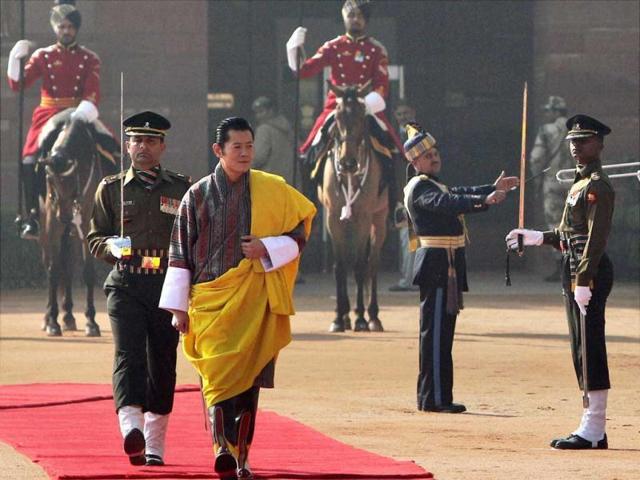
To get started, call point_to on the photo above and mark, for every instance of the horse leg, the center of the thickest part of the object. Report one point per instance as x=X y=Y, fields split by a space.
x=92 y=329
x=66 y=269
x=360 y=272
x=342 y=321
x=378 y=234
x=52 y=327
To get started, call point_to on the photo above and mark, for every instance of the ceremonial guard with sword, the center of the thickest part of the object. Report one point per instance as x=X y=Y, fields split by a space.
x=436 y=213
x=131 y=226
x=70 y=76
x=587 y=275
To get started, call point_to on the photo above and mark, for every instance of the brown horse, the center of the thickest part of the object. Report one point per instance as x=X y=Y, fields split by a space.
x=356 y=202
x=73 y=168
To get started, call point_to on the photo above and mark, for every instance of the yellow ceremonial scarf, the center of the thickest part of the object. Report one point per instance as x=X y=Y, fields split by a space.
x=240 y=321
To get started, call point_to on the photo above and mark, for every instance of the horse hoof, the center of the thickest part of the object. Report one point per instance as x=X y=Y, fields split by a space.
x=92 y=330
x=336 y=326
x=361 y=325
x=347 y=322
x=45 y=322
x=53 y=330
x=69 y=323
x=375 y=325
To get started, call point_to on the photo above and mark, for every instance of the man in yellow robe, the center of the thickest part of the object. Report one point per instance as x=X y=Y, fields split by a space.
x=233 y=260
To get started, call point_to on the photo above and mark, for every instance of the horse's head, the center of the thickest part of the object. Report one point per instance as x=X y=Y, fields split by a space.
x=350 y=124
x=72 y=150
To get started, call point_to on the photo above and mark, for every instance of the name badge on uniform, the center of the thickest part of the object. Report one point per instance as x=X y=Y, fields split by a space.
x=359 y=57
x=169 y=205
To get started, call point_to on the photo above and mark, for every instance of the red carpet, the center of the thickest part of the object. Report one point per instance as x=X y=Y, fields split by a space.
x=71 y=431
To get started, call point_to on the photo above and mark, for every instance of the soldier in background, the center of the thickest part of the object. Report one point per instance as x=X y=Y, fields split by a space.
x=273 y=145
x=551 y=151
x=144 y=368
x=70 y=76
x=404 y=113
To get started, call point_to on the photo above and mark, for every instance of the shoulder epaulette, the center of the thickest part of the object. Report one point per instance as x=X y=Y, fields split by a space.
x=333 y=41
x=113 y=178
x=179 y=176
x=89 y=51
x=376 y=43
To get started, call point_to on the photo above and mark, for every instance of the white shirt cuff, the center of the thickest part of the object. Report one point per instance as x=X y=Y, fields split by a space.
x=282 y=250
x=176 y=289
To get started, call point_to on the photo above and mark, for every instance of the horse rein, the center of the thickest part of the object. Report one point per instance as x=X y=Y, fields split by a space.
x=350 y=195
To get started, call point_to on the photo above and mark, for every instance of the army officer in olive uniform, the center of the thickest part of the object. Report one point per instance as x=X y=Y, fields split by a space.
x=144 y=370
x=587 y=272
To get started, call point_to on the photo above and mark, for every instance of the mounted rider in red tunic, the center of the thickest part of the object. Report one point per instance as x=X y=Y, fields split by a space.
x=355 y=59
x=70 y=76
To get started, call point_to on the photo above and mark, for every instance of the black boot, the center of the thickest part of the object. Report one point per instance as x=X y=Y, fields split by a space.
x=30 y=228
x=225 y=463
x=245 y=432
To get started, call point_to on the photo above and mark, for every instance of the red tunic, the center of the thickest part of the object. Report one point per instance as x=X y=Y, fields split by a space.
x=352 y=62
x=69 y=75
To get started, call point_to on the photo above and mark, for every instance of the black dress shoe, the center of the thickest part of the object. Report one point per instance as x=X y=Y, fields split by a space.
x=134 y=447
x=449 y=408
x=30 y=230
x=576 y=442
x=154 y=460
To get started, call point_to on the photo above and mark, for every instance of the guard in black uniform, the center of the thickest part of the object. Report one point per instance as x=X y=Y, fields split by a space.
x=436 y=214
x=587 y=272
x=144 y=370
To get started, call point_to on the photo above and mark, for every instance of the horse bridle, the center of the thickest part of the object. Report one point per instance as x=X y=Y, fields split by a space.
x=54 y=177
x=350 y=195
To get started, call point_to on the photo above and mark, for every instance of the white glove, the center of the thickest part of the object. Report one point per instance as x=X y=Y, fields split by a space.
x=85 y=111
x=119 y=247
x=296 y=40
x=582 y=295
x=531 y=237
x=19 y=50
x=374 y=103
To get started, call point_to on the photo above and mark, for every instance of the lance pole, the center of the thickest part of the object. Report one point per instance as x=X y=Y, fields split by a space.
x=296 y=119
x=20 y=115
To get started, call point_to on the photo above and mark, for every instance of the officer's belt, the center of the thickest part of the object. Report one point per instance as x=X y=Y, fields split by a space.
x=144 y=264
x=441 y=242
x=62 y=102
